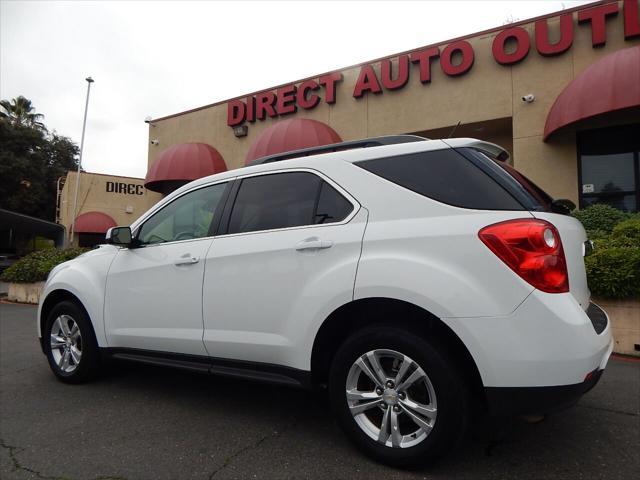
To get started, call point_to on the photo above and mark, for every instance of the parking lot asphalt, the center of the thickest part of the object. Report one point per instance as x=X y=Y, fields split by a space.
x=141 y=422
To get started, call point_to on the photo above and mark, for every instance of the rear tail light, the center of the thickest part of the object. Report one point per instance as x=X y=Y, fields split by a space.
x=531 y=248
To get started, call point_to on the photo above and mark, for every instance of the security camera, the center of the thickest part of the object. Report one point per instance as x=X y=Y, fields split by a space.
x=155 y=141
x=147 y=119
x=529 y=97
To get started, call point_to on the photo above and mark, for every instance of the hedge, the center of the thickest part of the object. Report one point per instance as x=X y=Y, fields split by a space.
x=613 y=269
x=614 y=272
x=36 y=266
x=600 y=217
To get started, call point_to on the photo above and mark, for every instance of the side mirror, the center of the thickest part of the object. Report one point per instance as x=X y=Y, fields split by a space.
x=119 y=236
x=563 y=206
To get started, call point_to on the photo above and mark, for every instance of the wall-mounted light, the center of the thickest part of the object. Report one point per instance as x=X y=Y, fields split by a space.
x=240 y=130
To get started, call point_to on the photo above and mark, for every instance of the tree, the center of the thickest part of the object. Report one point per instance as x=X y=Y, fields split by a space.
x=31 y=161
x=20 y=112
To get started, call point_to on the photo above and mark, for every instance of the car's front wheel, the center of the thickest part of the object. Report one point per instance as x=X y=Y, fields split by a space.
x=397 y=396
x=70 y=343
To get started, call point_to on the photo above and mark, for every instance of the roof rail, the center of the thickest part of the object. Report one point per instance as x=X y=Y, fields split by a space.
x=337 y=147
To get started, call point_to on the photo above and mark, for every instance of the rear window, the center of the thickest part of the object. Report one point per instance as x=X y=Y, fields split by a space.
x=542 y=197
x=524 y=190
x=445 y=176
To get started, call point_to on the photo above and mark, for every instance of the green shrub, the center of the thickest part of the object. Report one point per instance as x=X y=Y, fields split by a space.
x=600 y=217
x=36 y=266
x=614 y=272
x=627 y=233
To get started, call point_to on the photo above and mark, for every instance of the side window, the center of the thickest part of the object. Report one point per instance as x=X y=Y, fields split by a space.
x=187 y=217
x=332 y=206
x=283 y=200
x=445 y=176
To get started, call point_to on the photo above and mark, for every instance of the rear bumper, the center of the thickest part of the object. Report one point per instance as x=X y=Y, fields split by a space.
x=537 y=400
x=548 y=342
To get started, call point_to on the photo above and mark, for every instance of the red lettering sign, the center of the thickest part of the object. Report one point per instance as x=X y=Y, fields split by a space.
x=264 y=105
x=367 y=82
x=386 y=74
x=235 y=112
x=466 y=52
x=423 y=59
x=286 y=100
x=631 y=20
x=544 y=46
x=306 y=100
x=510 y=46
x=598 y=18
x=520 y=36
x=251 y=109
x=329 y=83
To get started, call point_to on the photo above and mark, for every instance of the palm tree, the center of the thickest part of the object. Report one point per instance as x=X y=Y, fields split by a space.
x=20 y=112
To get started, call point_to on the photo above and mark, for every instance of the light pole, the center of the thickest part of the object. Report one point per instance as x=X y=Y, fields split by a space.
x=84 y=126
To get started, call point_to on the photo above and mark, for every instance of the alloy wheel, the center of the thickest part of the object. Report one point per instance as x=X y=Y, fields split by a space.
x=66 y=343
x=391 y=398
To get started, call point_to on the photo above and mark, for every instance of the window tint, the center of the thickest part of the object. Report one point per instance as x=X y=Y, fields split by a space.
x=189 y=216
x=524 y=190
x=445 y=176
x=540 y=196
x=284 y=200
x=332 y=206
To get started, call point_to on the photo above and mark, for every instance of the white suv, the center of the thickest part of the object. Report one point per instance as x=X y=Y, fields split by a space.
x=415 y=279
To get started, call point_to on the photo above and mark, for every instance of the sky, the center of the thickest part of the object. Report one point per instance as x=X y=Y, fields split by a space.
x=156 y=58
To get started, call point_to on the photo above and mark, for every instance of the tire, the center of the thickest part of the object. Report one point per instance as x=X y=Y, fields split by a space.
x=68 y=326
x=431 y=414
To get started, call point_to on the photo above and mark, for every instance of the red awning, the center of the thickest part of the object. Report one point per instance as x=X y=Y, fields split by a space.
x=182 y=163
x=291 y=134
x=611 y=83
x=93 y=222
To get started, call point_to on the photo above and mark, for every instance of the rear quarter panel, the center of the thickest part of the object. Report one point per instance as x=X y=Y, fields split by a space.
x=428 y=253
x=440 y=264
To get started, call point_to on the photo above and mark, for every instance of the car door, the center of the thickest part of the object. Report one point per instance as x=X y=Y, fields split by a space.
x=287 y=257
x=153 y=298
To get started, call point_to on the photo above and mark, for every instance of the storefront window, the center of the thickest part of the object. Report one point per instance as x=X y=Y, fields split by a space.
x=609 y=167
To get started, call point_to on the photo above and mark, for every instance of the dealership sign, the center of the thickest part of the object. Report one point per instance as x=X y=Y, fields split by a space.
x=126 y=188
x=510 y=46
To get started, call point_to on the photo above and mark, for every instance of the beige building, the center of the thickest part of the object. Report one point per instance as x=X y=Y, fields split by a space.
x=560 y=92
x=103 y=201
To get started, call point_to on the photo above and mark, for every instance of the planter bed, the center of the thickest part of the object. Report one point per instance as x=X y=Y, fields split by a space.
x=25 y=292
x=625 y=323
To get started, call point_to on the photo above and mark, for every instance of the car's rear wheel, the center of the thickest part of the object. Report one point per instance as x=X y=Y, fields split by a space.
x=70 y=343
x=397 y=396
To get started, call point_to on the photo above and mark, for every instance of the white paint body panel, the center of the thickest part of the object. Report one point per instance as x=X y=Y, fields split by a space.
x=254 y=297
x=261 y=295
x=85 y=277
x=154 y=304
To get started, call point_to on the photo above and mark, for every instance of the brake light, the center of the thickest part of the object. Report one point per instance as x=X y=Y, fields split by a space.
x=532 y=248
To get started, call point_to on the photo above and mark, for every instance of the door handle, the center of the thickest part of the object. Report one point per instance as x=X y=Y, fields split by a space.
x=313 y=244
x=186 y=259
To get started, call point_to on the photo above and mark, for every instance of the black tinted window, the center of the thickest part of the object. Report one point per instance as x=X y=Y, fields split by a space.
x=445 y=176
x=284 y=200
x=332 y=206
